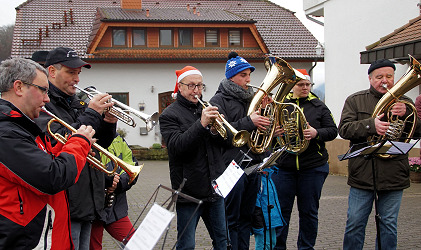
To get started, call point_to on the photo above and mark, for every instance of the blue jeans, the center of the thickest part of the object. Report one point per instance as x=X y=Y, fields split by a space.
x=213 y=215
x=81 y=234
x=360 y=203
x=307 y=185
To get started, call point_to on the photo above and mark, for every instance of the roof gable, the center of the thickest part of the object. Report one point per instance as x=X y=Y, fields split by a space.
x=282 y=33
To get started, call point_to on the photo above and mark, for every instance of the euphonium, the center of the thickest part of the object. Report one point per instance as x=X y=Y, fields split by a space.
x=119 y=110
x=239 y=137
x=132 y=171
x=400 y=129
x=279 y=72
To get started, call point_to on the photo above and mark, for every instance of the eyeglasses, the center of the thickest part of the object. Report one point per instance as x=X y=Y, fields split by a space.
x=193 y=86
x=43 y=90
x=301 y=85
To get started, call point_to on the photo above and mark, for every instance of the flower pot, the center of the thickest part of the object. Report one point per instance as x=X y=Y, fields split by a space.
x=415 y=177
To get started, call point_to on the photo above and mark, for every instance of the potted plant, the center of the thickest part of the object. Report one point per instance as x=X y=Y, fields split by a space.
x=415 y=169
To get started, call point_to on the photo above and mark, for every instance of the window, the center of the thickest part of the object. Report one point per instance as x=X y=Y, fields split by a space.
x=119 y=37
x=212 y=38
x=234 y=38
x=165 y=37
x=139 y=37
x=122 y=97
x=185 y=37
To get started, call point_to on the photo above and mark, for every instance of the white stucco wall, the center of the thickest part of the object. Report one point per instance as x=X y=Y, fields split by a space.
x=137 y=79
x=349 y=27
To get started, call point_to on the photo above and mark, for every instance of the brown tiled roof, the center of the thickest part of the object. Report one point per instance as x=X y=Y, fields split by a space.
x=409 y=32
x=170 y=15
x=282 y=32
x=396 y=45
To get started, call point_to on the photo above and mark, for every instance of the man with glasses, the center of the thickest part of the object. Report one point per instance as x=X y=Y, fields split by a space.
x=303 y=175
x=195 y=155
x=86 y=198
x=233 y=98
x=33 y=175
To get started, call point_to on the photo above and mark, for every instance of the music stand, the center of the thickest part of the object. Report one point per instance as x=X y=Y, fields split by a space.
x=385 y=147
x=170 y=206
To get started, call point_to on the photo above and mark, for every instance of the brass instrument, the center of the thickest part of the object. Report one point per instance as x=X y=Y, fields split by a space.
x=398 y=128
x=239 y=137
x=279 y=72
x=119 y=110
x=132 y=171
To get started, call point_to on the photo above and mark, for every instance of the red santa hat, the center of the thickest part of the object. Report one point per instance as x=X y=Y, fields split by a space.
x=181 y=74
x=304 y=72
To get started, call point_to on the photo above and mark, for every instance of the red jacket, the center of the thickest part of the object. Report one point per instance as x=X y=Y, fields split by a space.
x=33 y=202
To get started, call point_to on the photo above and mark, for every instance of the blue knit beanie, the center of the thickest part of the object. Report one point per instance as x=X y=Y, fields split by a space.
x=235 y=65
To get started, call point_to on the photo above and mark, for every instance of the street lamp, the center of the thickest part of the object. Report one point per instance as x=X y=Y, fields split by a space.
x=318 y=49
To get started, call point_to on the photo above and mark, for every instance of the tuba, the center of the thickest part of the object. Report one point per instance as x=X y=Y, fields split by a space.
x=400 y=127
x=279 y=72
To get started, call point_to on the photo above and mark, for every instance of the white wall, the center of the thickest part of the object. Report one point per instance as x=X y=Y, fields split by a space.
x=349 y=27
x=137 y=79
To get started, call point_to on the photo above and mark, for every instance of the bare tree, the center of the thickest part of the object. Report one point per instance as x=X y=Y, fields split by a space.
x=6 y=39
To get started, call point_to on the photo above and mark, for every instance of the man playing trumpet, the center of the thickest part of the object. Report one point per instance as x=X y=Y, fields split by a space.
x=195 y=155
x=34 y=210
x=86 y=198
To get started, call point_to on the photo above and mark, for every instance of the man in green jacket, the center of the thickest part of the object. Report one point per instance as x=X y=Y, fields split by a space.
x=392 y=175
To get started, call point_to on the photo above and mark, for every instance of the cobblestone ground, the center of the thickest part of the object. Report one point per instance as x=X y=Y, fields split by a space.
x=332 y=213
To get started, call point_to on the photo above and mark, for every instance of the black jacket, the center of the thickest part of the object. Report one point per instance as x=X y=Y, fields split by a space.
x=194 y=153
x=235 y=112
x=87 y=196
x=319 y=117
x=356 y=125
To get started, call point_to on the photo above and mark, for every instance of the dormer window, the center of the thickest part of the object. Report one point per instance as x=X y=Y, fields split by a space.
x=234 y=38
x=165 y=37
x=185 y=37
x=139 y=37
x=212 y=37
x=119 y=37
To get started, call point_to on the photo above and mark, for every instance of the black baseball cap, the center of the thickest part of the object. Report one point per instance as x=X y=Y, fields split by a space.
x=39 y=56
x=67 y=57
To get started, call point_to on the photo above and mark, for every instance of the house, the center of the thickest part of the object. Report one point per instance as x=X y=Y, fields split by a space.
x=135 y=46
x=357 y=33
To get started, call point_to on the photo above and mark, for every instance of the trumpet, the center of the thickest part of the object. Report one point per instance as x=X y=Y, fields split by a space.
x=132 y=171
x=239 y=137
x=119 y=110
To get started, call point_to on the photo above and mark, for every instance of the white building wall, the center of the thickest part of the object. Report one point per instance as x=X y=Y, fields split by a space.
x=137 y=79
x=349 y=27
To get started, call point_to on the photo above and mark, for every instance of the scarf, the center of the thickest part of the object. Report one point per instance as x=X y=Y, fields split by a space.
x=233 y=89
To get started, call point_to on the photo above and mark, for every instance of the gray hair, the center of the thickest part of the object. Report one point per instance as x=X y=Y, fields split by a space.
x=18 y=69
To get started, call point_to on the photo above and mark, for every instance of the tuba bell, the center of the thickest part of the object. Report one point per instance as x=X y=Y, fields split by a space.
x=399 y=129
x=279 y=72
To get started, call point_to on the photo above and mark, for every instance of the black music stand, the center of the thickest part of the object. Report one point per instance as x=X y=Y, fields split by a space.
x=385 y=147
x=170 y=206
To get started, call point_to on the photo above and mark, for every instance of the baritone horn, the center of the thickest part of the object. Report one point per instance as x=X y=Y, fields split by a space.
x=239 y=137
x=132 y=171
x=119 y=110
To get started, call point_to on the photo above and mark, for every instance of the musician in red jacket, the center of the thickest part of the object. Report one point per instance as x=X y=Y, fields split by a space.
x=33 y=176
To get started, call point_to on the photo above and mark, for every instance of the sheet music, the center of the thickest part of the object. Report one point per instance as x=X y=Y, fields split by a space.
x=227 y=180
x=392 y=148
x=151 y=229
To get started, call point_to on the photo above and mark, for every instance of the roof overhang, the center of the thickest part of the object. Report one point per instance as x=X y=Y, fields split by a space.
x=397 y=52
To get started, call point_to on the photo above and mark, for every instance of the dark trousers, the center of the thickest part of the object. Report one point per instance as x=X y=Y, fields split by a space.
x=307 y=186
x=240 y=204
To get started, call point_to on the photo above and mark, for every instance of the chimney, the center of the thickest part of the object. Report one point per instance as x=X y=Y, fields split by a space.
x=65 y=18
x=147 y=13
x=71 y=16
x=131 y=4
x=194 y=10
x=188 y=7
